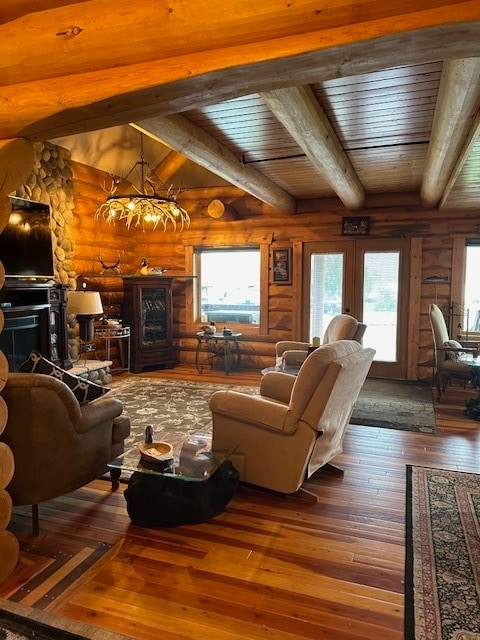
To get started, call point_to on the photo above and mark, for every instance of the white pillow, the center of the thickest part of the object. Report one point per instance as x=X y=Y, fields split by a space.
x=453 y=355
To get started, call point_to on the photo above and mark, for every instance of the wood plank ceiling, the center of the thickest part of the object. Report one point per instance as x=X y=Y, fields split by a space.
x=382 y=124
x=352 y=105
x=383 y=121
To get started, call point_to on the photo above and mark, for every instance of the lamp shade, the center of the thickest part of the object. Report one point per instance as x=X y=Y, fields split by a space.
x=84 y=303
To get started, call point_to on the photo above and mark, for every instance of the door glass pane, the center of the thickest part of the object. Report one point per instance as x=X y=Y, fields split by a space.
x=326 y=290
x=471 y=290
x=380 y=303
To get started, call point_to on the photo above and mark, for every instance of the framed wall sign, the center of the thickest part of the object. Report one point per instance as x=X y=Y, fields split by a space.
x=282 y=266
x=357 y=226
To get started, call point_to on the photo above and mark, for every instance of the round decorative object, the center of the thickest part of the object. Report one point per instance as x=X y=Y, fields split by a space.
x=156 y=452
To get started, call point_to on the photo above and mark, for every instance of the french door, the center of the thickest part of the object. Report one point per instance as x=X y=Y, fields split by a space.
x=368 y=279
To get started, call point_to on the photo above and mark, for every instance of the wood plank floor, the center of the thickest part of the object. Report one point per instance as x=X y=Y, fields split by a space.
x=270 y=567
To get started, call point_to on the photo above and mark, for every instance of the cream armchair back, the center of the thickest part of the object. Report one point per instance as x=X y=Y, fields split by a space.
x=340 y=327
x=58 y=445
x=297 y=424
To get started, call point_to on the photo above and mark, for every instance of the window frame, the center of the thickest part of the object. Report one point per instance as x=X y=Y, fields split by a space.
x=192 y=257
x=459 y=265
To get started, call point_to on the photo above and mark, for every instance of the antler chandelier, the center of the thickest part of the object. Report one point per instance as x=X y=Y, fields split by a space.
x=145 y=209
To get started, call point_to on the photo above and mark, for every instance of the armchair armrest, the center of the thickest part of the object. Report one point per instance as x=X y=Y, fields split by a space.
x=254 y=410
x=294 y=357
x=277 y=386
x=288 y=345
x=98 y=412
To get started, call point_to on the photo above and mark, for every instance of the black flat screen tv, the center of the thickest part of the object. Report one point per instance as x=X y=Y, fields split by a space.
x=26 y=248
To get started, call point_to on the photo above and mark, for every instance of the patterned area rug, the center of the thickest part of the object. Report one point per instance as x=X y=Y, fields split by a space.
x=443 y=555
x=396 y=405
x=177 y=409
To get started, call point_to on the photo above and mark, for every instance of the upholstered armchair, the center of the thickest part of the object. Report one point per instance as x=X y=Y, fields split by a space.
x=58 y=444
x=447 y=354
x=340 y=327
x=297 y=423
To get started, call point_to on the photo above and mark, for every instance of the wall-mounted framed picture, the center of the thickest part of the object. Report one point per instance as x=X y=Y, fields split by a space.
x=282 y=266
x=356 y=226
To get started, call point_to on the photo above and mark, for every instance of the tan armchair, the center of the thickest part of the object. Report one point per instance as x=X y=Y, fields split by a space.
x=340 y=327
x=297 y=424
x=58 y=445
x=447 y=352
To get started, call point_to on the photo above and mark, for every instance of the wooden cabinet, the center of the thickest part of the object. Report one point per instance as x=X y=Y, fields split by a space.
x=148 y=311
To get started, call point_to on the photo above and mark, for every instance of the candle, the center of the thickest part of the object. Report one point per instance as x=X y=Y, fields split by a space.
x=316 y=341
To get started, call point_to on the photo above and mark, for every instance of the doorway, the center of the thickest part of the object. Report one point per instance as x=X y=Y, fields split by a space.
x=368 y=279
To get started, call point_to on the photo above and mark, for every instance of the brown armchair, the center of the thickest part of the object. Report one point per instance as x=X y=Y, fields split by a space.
x=58 y=445
x=340 y=327
x=297 y=423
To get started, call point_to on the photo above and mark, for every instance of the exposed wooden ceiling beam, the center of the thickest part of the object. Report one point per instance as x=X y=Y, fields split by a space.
x=13 y=9
x=71 y=36
x=298 y=110
x=185 y=137
x=470 y=141
x=457 y=105
x=169 y=165
x=57 y=79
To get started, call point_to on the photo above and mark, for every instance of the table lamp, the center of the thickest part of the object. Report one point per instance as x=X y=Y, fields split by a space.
x=85 y=305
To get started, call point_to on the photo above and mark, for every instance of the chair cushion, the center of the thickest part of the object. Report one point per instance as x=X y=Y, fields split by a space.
x=84 y=390
x=453 y=355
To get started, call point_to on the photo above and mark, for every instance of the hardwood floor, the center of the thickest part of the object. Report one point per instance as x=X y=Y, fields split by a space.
x=270 y=567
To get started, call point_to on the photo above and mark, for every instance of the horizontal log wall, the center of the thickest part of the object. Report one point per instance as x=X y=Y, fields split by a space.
x=167 y=250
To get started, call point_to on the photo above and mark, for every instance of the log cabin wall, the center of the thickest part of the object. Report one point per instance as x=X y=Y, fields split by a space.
x=432 y=234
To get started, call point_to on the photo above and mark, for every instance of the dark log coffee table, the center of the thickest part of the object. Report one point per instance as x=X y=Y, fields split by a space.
x=194 y=486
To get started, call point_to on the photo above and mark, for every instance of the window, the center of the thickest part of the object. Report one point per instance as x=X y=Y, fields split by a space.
x=471 y=288
x=228 y=285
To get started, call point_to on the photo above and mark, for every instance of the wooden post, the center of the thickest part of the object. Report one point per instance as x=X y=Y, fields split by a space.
x=9 y=547
x=16 y=162
x=218 y=209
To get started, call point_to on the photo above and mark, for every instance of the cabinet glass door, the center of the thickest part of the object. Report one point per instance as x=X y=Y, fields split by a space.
x=153 y=305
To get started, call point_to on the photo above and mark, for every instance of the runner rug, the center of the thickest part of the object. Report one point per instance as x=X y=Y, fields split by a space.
x=442 y=576
x=177 y=409
x=395 y=404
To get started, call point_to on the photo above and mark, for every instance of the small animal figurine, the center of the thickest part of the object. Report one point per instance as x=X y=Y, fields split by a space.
x=144 y=267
